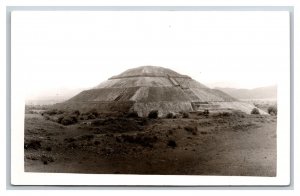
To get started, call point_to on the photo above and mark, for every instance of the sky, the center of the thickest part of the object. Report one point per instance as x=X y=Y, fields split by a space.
x=56 y=53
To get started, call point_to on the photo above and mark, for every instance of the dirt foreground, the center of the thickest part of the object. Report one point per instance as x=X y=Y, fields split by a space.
x=219 y=144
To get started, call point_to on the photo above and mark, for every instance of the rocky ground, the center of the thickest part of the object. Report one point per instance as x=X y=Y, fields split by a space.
x=215 y=144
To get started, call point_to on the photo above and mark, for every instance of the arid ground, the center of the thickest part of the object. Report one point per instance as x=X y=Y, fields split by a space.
x=224 y=143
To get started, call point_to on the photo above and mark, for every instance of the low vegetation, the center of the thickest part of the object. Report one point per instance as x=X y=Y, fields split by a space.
x=170 y=115
x=172 y=143
x=255 y=111
x=144 y=140
x=32 y=144
x=223 y=114
x=69 y=117
x=204 y=113
x=190 y=129
x=132 y=114
x=185 y=115
x=52 y=112
x=153 y=114
x=68 y=120
x=155 y=144
x=272 y=110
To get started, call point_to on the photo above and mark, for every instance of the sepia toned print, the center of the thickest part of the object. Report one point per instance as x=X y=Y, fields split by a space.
x=154 y=120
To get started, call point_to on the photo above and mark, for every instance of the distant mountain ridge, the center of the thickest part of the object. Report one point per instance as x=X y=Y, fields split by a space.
x=268 y=92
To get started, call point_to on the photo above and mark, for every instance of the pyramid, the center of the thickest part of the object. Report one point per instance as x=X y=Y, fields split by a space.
x=148 y=88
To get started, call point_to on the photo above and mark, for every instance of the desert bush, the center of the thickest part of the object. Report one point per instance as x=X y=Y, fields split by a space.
x=132 y=114
x=76 y=112
x=255 y=111
x=31 y=112
x=69 y=139
x=170 y=115
x=239 y=113
x=32 y=144
x=46 y=159
x=48 y=148
x=59 y=119
x=153 y=114
x=172 y=143
x=53 y=112
x=141 y=139
x=206 y=112
x=272 y=110
x=94 y=112
x=143 y=121
x=91 y=116
x=46 y=117
x=185 y=115
x=68 y=120
x=223 y=114
x=86 y=137
x=50 y=112
x=60 y=112
x=98 y=122
x=190 y=129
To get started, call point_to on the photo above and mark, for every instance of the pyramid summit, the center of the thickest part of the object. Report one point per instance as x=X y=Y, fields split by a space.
x=149 y=71
x=148 y=88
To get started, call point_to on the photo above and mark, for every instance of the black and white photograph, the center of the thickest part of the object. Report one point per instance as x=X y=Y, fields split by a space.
x=169 y=93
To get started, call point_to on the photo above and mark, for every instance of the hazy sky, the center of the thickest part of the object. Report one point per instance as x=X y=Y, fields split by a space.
x=56 y=51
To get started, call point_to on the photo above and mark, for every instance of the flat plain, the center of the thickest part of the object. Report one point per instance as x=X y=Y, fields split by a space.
x=220 y=143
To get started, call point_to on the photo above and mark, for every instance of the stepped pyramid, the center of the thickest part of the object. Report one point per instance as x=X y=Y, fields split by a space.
x=147 y=88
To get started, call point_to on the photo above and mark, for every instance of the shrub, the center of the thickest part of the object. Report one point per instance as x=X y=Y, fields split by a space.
x=46 y=159
x=60 y=112
x=153 y=114
x=146 y=141
x=132 y=114
x=91 y=116
x=94 y=112
x=272 y=110
x=255 y=111
x=190 y=129
x=48 y=148
x=59 y=119
x=238 y=113
x=86 y=137
x=185 y=115
x=69 y=120
x=33 y=144
x=76 y=112
x=50 y=112
x=53 y=112
x=170 y=115
x=172 y=143
x=223 y=114
x=206 y=112
x=46 y=117
x=69 y=139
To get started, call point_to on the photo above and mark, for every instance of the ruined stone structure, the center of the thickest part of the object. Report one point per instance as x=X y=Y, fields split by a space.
x=149 y=88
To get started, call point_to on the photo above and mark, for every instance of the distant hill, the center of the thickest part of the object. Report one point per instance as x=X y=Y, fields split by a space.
x=268 y=92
